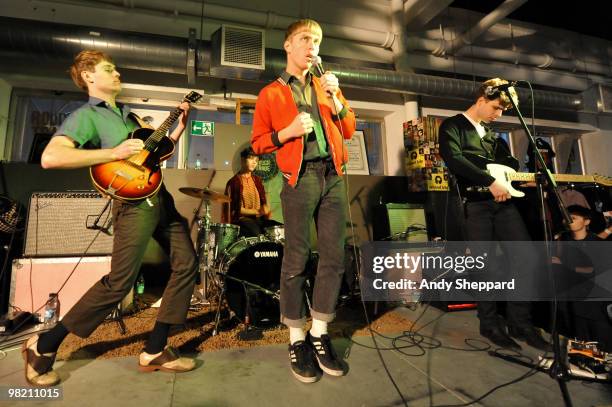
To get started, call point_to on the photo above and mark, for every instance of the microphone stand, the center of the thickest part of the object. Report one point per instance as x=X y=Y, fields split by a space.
x=544 y=179
x=95 y=226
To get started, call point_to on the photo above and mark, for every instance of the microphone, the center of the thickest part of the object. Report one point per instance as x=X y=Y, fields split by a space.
x=104 y=229
x=317 y=66
x=493 y=92
x=506 y=86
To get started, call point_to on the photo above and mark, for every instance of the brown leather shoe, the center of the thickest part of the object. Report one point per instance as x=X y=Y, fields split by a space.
x=168 y=361
x=38 y=367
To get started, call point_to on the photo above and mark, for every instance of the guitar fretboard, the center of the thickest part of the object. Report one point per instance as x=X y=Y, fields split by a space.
x=528 y=176
x=161 y=131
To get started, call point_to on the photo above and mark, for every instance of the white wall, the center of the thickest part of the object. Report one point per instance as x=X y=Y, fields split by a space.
x=393 y=117
x=597 y=152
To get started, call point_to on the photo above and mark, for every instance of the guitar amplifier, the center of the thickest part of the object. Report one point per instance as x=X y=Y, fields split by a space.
x=59 y=224
x=400 y=221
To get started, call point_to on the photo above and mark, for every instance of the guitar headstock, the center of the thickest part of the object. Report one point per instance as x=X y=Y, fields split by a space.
x=603 y=180
x=192 y=97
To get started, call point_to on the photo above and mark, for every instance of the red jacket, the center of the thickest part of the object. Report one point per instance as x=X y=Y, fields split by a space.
x=276 y=109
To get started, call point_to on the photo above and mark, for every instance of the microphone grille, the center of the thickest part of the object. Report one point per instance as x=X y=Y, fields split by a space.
x=316 y=60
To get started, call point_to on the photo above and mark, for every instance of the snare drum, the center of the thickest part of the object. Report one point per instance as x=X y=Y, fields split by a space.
x=275 y=233
x=220 y=237
x=252 y=268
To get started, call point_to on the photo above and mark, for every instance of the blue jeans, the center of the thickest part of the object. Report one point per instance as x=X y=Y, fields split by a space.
x=320 y=194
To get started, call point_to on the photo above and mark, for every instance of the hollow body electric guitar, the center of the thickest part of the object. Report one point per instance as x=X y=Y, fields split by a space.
x=139 y=176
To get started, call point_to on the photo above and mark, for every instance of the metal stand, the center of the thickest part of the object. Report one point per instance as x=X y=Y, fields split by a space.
x=117 y=316
x=204 y=259
x=218 y=313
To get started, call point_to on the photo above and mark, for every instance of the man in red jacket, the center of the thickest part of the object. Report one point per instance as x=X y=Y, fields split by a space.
x=304 y=119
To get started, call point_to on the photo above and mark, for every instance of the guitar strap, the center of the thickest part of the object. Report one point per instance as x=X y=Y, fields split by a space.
x=140 y=122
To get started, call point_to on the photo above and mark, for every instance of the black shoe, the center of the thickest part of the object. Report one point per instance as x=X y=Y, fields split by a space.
x=325 y=354
x=500 y=338
x=532 y=336
x=303 y=364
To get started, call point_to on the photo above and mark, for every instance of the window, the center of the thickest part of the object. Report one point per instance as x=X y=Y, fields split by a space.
x=372 y=135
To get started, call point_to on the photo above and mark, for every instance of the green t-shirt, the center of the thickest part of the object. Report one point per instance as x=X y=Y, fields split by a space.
x=98 y=125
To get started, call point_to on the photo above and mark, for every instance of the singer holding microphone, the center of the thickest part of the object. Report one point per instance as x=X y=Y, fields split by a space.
x=304 y=118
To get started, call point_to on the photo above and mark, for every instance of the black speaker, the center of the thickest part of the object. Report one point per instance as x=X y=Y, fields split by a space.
x=58 y=223
x=400 y=221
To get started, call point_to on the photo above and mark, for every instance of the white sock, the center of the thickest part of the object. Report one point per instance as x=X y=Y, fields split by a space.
x=296 y=334
x=318 y=328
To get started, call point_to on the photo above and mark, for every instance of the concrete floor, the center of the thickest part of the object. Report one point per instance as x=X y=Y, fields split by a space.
x=261 y=377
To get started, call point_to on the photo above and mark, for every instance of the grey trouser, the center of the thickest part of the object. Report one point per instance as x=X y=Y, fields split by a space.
x=134 y=225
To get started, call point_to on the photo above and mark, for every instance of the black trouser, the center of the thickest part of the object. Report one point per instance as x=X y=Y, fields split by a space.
x=319 y=194
x=134 y=225
x=490 y=223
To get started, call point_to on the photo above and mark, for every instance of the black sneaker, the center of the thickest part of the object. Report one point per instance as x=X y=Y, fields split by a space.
x=325 y=354
x=303 y=362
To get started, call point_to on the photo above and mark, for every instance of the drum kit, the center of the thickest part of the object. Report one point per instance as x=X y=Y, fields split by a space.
x=244 y=270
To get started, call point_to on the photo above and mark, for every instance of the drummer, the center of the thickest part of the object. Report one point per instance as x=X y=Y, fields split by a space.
x=248 y=208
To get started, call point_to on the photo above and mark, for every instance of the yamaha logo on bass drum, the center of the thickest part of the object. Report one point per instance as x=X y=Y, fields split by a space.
x=266 y=254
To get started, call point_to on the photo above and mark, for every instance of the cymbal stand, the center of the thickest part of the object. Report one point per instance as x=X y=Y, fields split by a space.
x=204 y=259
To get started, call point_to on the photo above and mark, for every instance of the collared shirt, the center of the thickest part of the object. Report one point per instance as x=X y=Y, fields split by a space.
x=250 y=195
x=305 y=99
x=97 y=124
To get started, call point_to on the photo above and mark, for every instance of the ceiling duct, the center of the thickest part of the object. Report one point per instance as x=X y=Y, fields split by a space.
x=238 y=52
x=35 y=41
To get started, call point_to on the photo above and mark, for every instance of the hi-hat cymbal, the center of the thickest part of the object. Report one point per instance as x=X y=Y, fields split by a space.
x=205 y=193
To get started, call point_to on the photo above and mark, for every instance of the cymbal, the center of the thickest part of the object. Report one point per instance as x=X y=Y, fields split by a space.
x=205 y=193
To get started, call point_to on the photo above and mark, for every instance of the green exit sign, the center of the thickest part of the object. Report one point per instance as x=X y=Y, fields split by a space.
x=202 y=128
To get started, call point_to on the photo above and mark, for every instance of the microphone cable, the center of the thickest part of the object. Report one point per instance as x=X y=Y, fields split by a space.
x=356 y=254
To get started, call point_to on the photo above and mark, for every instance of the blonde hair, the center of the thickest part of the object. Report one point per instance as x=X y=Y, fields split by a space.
x=488 y=90
x=299 y=25
x=86 y=60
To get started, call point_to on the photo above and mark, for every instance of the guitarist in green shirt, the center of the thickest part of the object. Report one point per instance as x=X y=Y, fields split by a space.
x=96 y=133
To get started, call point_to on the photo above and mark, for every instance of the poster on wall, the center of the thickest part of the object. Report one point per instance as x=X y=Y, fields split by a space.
x=357 y=158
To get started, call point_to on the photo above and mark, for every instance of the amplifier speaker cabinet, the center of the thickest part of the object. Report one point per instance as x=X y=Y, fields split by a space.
x=400 y=221
x=57 y=225
x=32 y=280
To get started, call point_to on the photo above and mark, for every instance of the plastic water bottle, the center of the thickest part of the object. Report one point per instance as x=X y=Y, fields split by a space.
x=52 y=310
x=140 y=285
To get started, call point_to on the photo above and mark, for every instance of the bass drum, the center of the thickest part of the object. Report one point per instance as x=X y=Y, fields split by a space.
x=252 y=271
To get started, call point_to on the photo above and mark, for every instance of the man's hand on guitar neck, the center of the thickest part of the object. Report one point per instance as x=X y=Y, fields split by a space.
x=181 y=123
x=499 y=191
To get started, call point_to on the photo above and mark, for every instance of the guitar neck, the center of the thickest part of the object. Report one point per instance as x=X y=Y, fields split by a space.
x=161 y=131
x=528 y=176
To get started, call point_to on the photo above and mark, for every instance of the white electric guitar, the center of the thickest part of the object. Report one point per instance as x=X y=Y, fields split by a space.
x=507 y=175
